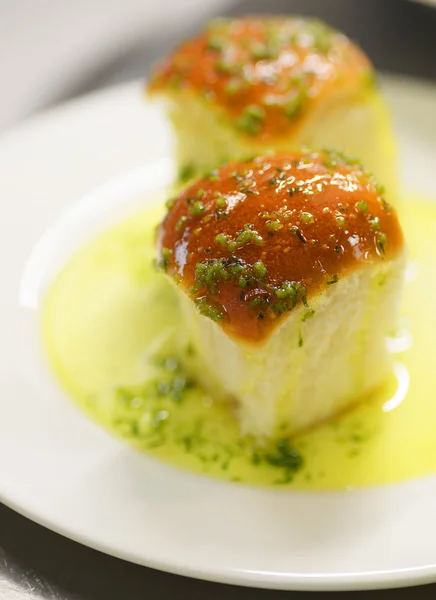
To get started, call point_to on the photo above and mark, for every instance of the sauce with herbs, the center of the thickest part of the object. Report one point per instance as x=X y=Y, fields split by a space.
x=111 y=330
x=266 y=73
x=254 y=239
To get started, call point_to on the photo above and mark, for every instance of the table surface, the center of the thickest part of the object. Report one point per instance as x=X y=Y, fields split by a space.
x=36 y=563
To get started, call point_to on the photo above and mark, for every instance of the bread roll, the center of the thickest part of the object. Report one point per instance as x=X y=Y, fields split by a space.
x=243 y=87
x=288 y=269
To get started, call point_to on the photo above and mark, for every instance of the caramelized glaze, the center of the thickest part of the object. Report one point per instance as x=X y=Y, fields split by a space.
x=254 y=239
x=265 y=73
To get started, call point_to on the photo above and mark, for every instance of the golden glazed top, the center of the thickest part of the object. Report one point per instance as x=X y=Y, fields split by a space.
x=254 y=239
x=265 y=73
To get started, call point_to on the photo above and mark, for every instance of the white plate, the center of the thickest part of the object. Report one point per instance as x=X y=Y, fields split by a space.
x=59 y=469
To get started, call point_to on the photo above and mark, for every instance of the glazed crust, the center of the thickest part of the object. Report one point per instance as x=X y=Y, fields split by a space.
x=265 y=73
x=255 y=239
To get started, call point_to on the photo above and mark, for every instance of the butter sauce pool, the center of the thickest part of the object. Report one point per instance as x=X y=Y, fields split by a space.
x=112 y=333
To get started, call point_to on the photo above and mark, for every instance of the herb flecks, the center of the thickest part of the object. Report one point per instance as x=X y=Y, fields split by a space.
x=211 y=272
x=244 y=237
x=286 y=458
x=166 y=255
x=295 y=105
x=212 y=310
x=289 y=293
x=381 y=242
x=296 y=231
x=181 y=223
x=143 y=411
x=221 y=202
x=251 y=119
x=260 y=270
x=197 y=209
x=308 y=314
x=274 y=225
x=335 y=158
x=374 y=223
x=187 y=172
x=307 y=217
x=362 y=206
x=169 y=204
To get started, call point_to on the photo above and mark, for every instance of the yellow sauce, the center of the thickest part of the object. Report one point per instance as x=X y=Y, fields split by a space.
x=110 y=321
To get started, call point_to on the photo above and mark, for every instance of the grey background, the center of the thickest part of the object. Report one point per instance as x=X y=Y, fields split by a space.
x=400 y=37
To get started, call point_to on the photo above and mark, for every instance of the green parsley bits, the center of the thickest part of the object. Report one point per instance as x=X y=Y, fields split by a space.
x=381 y=241
x=243 y=283
x=197 y=209
x=221 y=202
x=284 y=456
x=210 y=272
x=226 y=242
x=166 y=255
x=170 y=203
x=260 y=270
x=268 y=51
x=247 y=235
x=222 y=239
x=375 y=223
x=289 y=291
x=308 y=314
x=215 y=43
x=251 y=119
x=307 y=217
x=333 y=280
x=321 y=36
x=335 y=157
x=273 y=225
x=187 y=172
x=362 y=206
x=296 y=231
x=386 y=205
x=225 y=67
x=213 y=176
x=295 y=105
x=300 y=340
x=235 y=85
x=181 y=223
x=340 y=221
x=209 y=309
x=295 y=190
x=380 y=189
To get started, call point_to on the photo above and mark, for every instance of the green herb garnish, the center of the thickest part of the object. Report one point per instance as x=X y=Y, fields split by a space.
x=260 y=270
x=375 y=223
x=186 y=173
x=170 y=203
x=209 y=309
x=166 y=255
x=285 y=457
x=296 y=231
x=273 y=225
x=362 y=206
x=307 y=217
x=295 y=105
x=221 y=202
x=251 y=119
x=181 y=223
x=197 y=208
